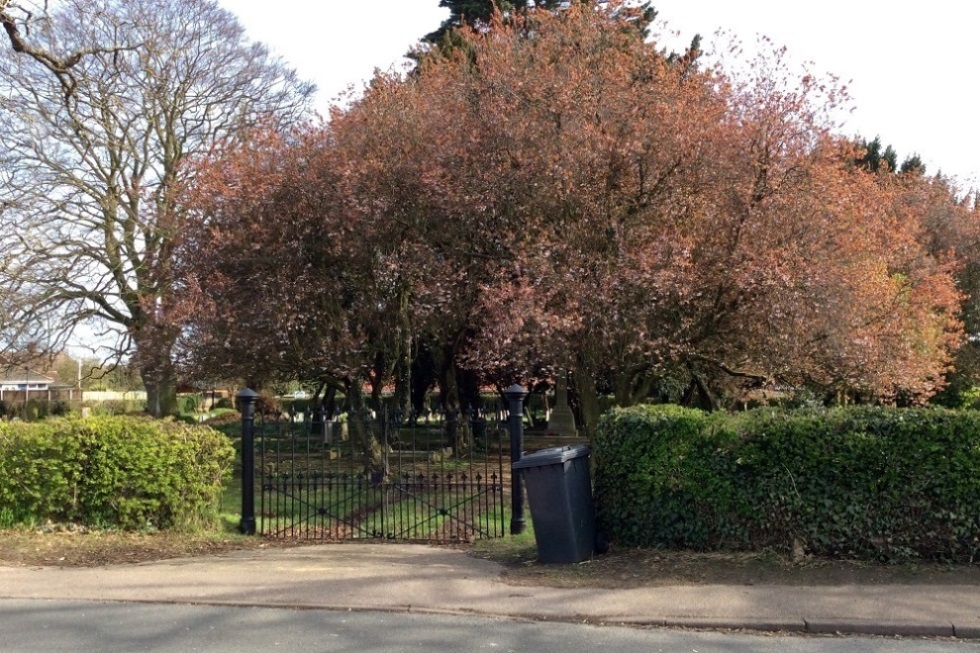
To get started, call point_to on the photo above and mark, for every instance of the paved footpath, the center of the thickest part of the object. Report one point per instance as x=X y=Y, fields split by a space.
x=438 y=580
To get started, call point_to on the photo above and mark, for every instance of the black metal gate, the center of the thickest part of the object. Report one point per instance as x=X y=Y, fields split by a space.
x=432 y=479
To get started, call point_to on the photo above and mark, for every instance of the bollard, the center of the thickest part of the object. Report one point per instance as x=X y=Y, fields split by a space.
x=247 y=398
x=515 y=396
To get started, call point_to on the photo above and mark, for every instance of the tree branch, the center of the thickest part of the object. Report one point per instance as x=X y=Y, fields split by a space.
x=60 y=67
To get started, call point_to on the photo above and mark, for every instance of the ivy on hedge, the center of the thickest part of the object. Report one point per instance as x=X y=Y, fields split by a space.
x=122 y=472
x=864 y=482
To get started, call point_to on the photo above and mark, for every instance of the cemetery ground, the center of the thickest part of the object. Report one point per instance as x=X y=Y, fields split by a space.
x=621 y=568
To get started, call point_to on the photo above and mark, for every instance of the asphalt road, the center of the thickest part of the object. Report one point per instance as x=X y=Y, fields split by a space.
x=40 y=625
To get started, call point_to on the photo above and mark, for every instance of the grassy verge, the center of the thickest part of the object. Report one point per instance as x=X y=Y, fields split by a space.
x=69 y=545
x=512 y=550
x=620 y=569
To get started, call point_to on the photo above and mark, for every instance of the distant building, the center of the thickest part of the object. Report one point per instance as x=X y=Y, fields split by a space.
x=22 y=384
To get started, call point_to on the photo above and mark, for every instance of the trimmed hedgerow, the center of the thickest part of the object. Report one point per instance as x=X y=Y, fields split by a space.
x=865 y=482
x=121 y=472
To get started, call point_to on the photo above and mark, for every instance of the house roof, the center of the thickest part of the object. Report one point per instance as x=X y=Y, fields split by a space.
x=23 y=376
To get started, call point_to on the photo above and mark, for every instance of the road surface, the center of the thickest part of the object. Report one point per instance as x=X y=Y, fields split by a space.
x=52 y=626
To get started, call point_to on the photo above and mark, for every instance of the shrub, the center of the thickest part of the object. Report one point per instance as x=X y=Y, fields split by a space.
x=225 y=418
x=970 y=398
x=190 y=403
x=869 y=483
x=115 y=407
x=125 y=472
x=34 y=410
x=267 y=405
x=60 y=408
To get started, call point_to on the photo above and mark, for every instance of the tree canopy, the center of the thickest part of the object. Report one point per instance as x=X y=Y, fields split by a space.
x=579 y=200
x=94 y=144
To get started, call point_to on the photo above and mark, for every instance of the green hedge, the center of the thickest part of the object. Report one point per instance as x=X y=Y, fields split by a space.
x=120 y=472
x=867 y=483
x=116 y=407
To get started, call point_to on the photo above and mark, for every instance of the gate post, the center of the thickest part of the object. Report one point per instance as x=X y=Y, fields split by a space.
x=515 y=396
x=247 y=398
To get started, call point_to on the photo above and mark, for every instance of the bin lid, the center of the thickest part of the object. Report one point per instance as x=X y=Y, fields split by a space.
x=553 y=456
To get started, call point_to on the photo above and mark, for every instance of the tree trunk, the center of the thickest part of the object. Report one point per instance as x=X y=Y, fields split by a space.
x=403 y=362
x=449 y=396
x=361 y=431
x=423 y=377
x=329 y=401
x=588 y=402
x=468 y=383
x=632 y=386
x=623 y=388
x=377 y=382
x=160 y=380
x=698 y=395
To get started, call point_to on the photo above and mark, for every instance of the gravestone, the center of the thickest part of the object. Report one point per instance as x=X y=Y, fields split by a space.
x=562 y=421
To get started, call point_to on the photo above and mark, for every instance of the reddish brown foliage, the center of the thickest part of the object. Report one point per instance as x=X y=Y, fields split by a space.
x=558 y=191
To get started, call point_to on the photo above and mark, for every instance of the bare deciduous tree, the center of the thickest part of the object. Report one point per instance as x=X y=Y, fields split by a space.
x=92 y=153
x=17 y=18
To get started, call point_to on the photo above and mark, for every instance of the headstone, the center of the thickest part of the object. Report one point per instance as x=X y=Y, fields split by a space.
x=562 y=421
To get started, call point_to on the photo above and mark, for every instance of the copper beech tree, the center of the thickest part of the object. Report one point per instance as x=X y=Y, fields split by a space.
x=558 y=193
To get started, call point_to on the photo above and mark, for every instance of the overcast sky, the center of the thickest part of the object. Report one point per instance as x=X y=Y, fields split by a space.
x=911 y=73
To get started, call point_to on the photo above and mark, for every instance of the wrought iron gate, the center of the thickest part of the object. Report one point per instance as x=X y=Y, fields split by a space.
x=379 y=478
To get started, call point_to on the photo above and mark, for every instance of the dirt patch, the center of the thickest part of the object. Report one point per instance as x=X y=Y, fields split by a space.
x=631 y=568
x=71 y=547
